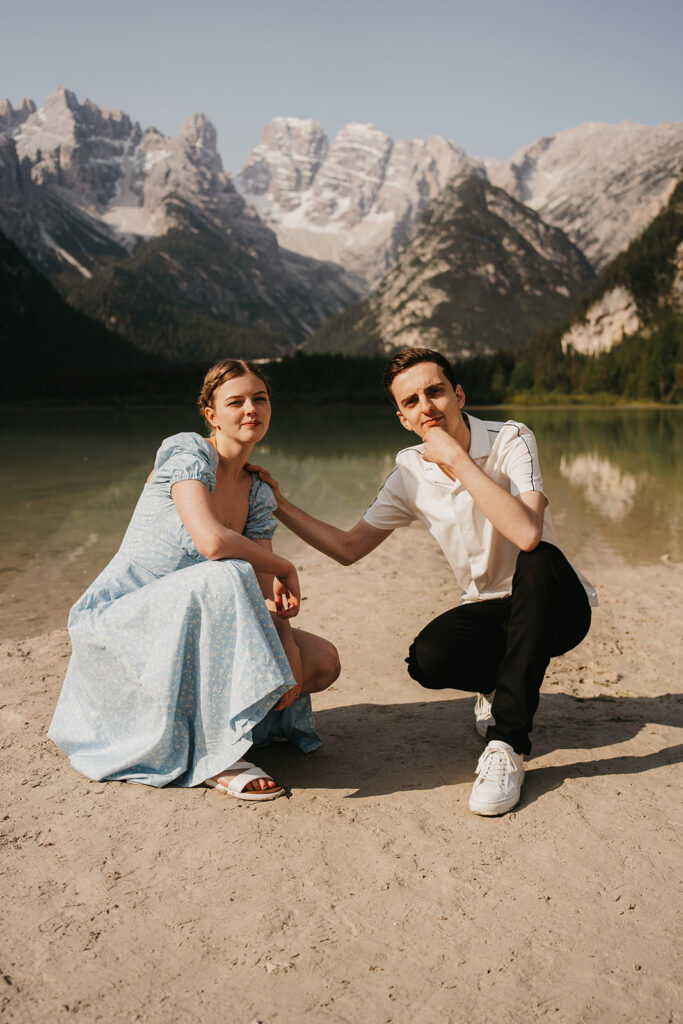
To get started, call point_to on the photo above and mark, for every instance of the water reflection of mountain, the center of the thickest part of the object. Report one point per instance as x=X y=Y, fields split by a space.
x=610 y=491
x=636 y=440
x=338 y=490
x=623 y=468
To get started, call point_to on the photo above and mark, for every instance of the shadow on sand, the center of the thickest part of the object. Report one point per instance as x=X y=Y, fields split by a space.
x=377 y=749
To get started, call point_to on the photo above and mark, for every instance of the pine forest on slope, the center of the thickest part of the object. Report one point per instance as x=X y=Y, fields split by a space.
x=50 y=349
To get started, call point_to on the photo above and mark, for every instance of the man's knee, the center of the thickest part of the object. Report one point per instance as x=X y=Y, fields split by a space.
x=540 y=559
x=538 y=568
x=426 y=664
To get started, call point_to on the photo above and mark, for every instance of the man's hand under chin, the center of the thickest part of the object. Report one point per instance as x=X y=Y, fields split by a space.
x=441 y=448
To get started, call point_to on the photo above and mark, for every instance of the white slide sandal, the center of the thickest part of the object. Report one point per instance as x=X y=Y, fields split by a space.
x=236 y=786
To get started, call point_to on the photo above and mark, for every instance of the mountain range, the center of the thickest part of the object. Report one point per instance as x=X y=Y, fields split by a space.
x=148 y=234
x=354 y=201
x=480 y=272
x=152 y=237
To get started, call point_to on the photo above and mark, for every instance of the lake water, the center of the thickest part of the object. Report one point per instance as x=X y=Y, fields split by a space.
x=71 y=480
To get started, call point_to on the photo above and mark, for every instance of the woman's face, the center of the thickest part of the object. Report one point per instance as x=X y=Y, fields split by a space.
x=241 y=409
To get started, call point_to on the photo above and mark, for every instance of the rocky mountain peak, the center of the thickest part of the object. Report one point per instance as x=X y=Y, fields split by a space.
x=354 y=201
x=348 y=182
x=78 y=146
x=11 y=117
x=285 y=162
x=199 y=131
x=186 y=167
x=50 y=129
x=62 y=97
x=600 y=183
x=115 y=172
x=296 y=137
x=351 y=202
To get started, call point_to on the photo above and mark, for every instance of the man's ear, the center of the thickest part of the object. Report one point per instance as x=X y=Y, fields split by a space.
x=460 y=395
x=402 y=420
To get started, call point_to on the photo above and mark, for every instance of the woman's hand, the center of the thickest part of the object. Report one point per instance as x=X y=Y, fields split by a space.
x=289 y=697
x=266 y=477
x=287 y=594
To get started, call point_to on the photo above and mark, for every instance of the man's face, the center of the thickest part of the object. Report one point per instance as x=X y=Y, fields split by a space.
x=426 y=399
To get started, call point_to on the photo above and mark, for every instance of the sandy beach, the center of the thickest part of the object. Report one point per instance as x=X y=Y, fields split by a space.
x=371 y=894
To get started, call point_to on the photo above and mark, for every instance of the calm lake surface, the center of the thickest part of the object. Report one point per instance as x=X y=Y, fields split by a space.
x=71 y=480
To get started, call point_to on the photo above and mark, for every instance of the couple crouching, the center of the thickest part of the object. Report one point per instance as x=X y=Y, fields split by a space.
x=183 y=653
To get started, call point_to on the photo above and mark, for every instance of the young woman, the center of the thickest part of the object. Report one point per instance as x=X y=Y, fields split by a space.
x=183 y=655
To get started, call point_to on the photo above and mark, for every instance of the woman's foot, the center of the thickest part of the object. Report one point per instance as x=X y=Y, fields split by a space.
x=246 y=782
x=256 y=785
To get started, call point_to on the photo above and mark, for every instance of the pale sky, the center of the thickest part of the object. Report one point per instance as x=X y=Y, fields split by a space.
x=493 y=75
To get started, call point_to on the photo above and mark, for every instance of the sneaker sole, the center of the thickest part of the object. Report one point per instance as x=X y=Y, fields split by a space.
x=488 y=812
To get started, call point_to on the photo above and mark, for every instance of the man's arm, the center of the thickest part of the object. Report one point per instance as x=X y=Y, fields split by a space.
x=344 y=546
x=519 y=518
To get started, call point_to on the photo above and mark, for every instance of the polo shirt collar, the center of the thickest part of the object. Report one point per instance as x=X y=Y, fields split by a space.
x=480 y=446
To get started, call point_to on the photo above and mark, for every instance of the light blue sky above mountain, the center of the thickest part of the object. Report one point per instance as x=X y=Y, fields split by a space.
x=492 y=75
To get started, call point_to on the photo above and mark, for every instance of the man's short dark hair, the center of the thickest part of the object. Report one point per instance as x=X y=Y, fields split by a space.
x=407 y=357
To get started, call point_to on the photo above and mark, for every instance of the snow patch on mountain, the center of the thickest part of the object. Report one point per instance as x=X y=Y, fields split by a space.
x=51 y=244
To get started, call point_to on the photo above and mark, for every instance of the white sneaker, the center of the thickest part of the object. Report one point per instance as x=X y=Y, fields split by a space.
x=482 y=712
x=500 y=775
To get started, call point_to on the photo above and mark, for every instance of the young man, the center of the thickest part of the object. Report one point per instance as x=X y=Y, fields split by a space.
x=477 y=488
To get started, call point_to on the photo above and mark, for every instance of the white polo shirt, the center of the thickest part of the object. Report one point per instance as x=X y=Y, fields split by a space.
x=482 y=559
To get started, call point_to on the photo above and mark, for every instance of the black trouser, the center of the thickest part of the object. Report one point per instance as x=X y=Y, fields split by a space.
x=505 y=644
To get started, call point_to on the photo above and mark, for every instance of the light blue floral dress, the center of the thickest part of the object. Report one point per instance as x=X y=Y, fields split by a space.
x=176 y=665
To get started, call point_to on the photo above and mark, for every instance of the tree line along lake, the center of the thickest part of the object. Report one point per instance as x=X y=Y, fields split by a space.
x=72 y=477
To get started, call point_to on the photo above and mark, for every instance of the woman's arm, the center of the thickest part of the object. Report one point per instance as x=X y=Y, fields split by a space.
x=270 y=588
x=214 y=541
